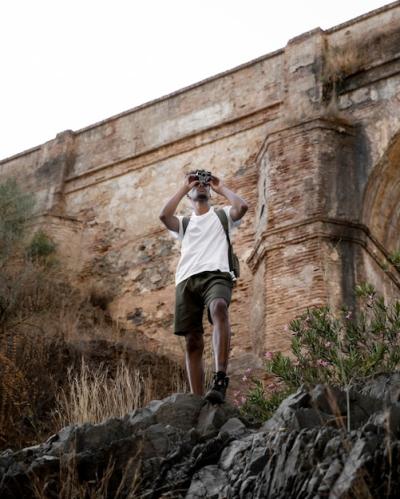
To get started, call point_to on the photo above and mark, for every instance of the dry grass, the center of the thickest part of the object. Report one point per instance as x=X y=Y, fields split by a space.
x=70 y=487
x=342 y=61
x=34 y=347
x=94 y=396
x=45 y=326
x=339 y=62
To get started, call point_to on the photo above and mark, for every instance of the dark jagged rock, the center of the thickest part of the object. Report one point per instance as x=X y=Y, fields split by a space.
x=320 y=443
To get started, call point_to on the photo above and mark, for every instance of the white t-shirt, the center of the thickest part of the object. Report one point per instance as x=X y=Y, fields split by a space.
x=204 y=246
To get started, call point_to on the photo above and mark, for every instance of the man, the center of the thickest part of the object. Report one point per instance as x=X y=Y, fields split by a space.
x=203 y=278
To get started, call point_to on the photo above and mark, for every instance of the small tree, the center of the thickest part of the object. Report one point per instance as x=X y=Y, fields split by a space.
x=335 y=348
x=16 y=208
x=41 y=248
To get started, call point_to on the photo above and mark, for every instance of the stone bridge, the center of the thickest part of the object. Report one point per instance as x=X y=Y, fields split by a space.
x=309 y=135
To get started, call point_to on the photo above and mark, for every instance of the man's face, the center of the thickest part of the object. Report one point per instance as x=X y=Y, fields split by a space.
x=200 y=192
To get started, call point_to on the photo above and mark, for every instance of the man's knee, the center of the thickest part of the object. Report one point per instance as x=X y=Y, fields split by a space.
x=194 y=342
x=218 y=309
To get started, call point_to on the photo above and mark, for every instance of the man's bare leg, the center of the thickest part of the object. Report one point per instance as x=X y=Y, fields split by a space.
x=194 y=362
x=221 y=333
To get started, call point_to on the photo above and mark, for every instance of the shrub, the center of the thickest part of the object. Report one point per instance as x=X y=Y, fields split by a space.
x=100 y=296
x=32 y=346
x=338 y=349
x=395 y=259
x=261 y=401
x=40 y=247
x=46 y=324
x=16 y=207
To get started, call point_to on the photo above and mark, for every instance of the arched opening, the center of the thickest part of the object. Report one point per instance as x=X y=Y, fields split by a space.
x=381 y=205
x=381 y=215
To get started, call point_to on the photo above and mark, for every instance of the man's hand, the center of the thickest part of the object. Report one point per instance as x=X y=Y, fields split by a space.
x=216 y=184
x=167 y=216
x=190 y=182
x=239 y=205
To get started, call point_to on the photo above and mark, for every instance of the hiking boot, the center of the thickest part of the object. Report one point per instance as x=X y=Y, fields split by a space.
x=216 y=394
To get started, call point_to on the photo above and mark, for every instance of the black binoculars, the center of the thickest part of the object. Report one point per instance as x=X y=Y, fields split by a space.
x=202 y=176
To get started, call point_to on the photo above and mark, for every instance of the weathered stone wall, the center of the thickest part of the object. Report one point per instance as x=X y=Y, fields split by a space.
x=308 y=135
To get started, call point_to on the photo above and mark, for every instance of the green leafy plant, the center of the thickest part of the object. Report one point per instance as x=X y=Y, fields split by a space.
x=336 y=348
x=395 y=259
x=261 y=401
x=16 y=207
x=40 y=247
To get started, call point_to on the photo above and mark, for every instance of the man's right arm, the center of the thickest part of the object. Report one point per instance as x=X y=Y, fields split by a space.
x=167 y=216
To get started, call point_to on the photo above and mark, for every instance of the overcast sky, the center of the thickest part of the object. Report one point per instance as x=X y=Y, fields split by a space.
x=67 y=64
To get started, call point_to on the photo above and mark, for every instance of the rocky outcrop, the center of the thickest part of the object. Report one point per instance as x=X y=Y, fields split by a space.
x=321 y=442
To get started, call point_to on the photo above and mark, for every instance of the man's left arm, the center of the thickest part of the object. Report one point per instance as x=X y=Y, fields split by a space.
x=239 y=205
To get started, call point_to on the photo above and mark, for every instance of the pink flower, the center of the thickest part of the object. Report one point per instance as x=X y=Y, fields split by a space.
x=348 y=315
x=248 y=370
x=328 y=344
x=268 y=355
x=242 y=399
x=245 y=378
x=322 y=363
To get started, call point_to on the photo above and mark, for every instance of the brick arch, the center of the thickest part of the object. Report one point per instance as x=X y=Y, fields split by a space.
x=381 y=204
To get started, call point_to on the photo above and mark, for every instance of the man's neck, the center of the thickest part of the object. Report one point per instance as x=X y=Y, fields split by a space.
x=201 y=207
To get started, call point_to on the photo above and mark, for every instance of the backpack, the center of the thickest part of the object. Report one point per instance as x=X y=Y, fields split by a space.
x=234 y=265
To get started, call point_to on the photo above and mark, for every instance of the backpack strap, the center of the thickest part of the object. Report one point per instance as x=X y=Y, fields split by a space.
x=224 y=221
x=185 y=223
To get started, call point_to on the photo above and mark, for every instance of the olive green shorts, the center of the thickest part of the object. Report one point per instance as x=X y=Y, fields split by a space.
x=195 y=293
